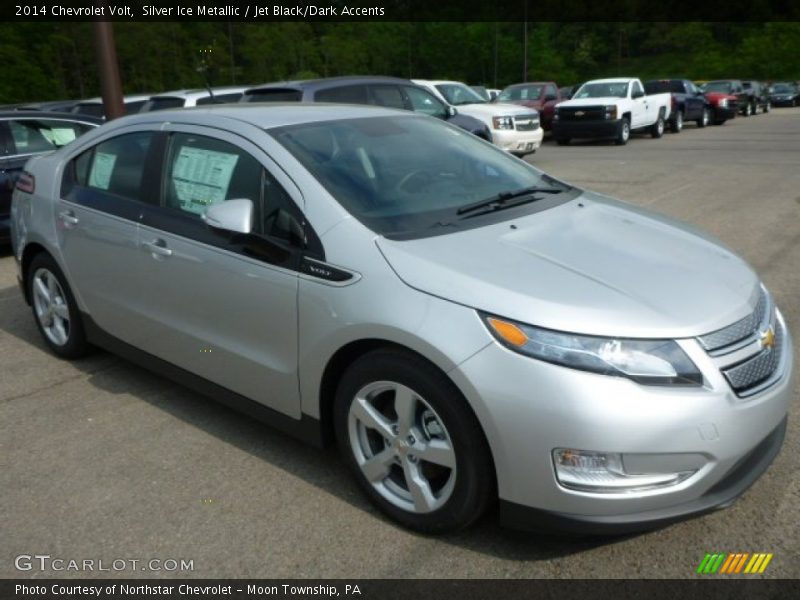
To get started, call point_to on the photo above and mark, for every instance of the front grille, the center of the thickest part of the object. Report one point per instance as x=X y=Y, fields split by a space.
x=718 y=341
x=582 y=113
x=526 y=123
x=747 y=377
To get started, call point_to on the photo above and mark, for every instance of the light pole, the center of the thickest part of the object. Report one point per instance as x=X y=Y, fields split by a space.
x=108 y=66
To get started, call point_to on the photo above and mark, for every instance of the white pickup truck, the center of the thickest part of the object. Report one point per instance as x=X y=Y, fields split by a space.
x=610 y=108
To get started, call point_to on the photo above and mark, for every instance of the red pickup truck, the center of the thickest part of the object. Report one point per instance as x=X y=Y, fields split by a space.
x=541 y=95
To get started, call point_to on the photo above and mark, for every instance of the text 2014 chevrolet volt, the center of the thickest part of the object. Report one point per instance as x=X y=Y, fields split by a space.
x=467 y=328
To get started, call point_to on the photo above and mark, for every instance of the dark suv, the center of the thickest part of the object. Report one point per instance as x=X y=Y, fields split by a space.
x=390 y=92
x=25 y=134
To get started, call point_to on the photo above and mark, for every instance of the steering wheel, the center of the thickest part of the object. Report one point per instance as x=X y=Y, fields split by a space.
x=424 y=176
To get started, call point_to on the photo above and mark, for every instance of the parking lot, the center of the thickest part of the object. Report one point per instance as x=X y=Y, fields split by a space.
x=103 y=460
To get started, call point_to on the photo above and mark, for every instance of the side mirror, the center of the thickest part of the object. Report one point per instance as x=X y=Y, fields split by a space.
x=451 y=111
x=231 y=215
x=637 y=94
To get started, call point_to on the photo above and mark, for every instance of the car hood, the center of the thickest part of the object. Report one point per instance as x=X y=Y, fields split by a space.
x=591 y=101
x=494 y=109
x=592 y=265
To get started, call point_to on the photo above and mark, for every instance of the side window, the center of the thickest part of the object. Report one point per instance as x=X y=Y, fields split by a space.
x=550 y=90
x=282 y=218
x=424 y=102
x=202 y=171
x=41 y=135
x=350 y=94
x=115 y=166
x=388 y=96
x=636 y=87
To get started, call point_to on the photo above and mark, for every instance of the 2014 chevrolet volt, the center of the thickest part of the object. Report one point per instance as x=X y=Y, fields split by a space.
x=467 y=328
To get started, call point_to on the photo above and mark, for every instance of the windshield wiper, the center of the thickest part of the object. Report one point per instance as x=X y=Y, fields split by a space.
x=501 y=200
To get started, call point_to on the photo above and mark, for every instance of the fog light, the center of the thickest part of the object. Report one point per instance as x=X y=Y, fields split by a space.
x=604 y=472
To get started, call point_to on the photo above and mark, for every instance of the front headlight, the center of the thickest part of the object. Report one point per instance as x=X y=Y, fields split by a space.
x=610 y=113
x=503 y=122
x=723 y=103
x=650 y=362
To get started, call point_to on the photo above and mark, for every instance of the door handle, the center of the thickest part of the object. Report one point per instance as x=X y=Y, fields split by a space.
x=157 y=247
x=68 y=217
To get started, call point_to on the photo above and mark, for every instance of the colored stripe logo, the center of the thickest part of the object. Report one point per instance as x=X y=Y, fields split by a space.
x=734 y=563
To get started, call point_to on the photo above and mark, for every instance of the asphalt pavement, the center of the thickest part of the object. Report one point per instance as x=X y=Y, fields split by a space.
x=101 y=460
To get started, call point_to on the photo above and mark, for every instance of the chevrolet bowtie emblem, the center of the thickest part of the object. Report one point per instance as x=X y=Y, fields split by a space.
x=579 y=113
x=768 y=338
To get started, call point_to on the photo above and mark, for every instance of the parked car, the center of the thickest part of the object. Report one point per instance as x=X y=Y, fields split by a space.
x=379 y=91
x=93 y=107
x=731 y=87
x=784 y=94
x=466 y=327
x=541 y=95
x=758 y=95
x=514 y=129
x=610 y=108
x=189 y=98
x=24 y=134
x=724 y=106
x=50 y=106
x=688 y=102
x=567 y=91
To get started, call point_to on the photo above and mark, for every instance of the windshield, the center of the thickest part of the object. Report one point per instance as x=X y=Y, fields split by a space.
x=602 y=90
x=403 y=174
x=457 y=94
x=521 y=92
x=718 y=86
x=782 y=88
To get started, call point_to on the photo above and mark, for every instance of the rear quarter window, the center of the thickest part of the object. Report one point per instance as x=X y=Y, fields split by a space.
x=274 y=95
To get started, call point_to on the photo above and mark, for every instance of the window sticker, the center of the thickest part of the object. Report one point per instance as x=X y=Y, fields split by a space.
x=202 y=177
x=60 y=136
x=103 y=166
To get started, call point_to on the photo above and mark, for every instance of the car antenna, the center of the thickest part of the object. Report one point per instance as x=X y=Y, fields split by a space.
x=203 y=67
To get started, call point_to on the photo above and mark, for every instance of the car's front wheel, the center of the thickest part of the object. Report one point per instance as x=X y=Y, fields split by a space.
x=54 y=308
x=704 y=118
x=412 y=441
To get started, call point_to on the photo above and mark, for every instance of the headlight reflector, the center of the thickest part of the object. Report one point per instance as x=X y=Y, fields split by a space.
x=650 y=362
x=503 y=122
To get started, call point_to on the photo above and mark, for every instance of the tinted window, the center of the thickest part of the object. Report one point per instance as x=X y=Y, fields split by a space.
x=521 y=92
x=423 y=101
x=134 y=107
x=404 y=174
x=273 y=95
x=114 y=166
x=219 y=98
x=162 y=103
x=42 y=135
x=92 y=109
x=636 y=88
x=387 y=95
x=349 y=94
x=281 y=215
x=203 y=171
x=664 y=87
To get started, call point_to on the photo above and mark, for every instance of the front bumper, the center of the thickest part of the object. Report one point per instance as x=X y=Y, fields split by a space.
x=782 y=101
x=585 y=129
x=728 y=112
x=528 y=408
x=518 y=142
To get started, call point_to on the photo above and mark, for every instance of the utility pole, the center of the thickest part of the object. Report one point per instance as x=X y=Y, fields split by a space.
x=495 y=55
x=525 y=43
x=106 y=54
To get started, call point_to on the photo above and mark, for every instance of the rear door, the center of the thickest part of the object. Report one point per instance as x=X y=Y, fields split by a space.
x=224 y=305
x=104 y=192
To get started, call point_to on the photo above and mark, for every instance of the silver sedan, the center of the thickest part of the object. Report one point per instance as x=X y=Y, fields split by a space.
x=466 y=328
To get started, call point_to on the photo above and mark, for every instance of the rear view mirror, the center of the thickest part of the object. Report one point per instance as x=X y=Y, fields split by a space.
x=231 y=215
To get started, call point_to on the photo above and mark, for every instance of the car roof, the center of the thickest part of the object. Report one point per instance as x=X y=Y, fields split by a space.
x=306 y=84
x=198 y=92
x=439 y=81
x=264 y=115
x=43 y=114
x=125 y=99
x=612 y=80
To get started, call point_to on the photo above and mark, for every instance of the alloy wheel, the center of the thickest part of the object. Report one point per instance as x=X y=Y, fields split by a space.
x=402 y=446
x=52 y=308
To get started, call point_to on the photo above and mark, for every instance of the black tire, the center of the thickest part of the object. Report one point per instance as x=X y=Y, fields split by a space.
x=748 y=110
x=623 y=132
x=720 y=121
x=75 y=344
x=563 y=141
x=657 y=129
x=676 y=124
x=705 y=118
x=474 y=479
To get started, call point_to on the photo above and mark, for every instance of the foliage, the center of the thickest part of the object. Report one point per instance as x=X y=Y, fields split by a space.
x=46 y=61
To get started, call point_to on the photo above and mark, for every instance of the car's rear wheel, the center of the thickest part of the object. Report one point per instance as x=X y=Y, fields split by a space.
x=412 y=442
x=54 y=308
x=704 y=118
x=676 y=124
x=657 y=129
